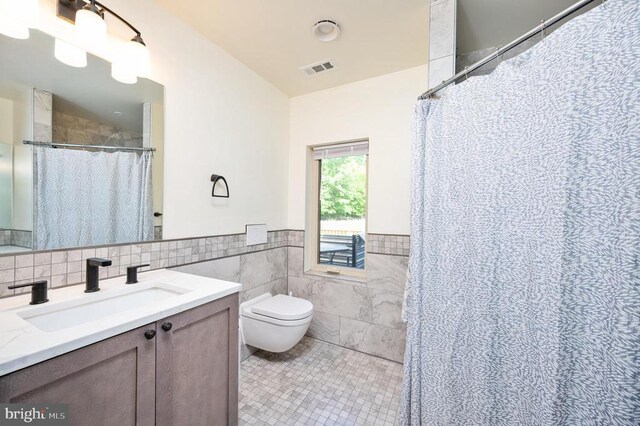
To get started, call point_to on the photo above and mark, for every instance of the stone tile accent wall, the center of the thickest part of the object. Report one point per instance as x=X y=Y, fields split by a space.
x=42 y=113
x=362 y=315
x=5 y=237
x=157 y=232
x=442 y=40
x=388 y=244
x=69 y=128
x=15 y=237
x=259 y=273
x=21 y=238
x=295 y=238
x=67 y=267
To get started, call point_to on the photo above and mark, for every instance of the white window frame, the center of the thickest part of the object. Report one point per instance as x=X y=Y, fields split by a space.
x=312 y=227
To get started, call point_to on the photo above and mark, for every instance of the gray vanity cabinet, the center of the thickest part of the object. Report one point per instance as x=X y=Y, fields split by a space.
x=186 y=374
x=197 y=379
x=111 y=382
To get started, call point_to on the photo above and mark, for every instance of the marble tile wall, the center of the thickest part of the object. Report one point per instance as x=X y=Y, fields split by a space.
x=388 y=244
x=5 y=237
x=42 y=123
x=295 y=238
x=15 y=237
x=157 y=232
x=363 y=315
x=21 y=238
x=67 y=267
x=259 y=273
x=442 y=40
x=69 y=128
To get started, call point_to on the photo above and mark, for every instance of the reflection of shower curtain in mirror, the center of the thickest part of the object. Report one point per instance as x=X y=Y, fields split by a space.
x=89 y=198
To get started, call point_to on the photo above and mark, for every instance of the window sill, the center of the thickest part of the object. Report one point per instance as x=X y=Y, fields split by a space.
x=342 y=277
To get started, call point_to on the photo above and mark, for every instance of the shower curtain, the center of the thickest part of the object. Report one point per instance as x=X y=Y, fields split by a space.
x=90 y=198
x=523 y=296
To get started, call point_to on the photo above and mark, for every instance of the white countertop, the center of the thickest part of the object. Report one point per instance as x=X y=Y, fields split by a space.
x=23 y=344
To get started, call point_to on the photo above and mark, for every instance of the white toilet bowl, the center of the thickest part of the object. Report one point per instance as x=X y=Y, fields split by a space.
x=275 y=323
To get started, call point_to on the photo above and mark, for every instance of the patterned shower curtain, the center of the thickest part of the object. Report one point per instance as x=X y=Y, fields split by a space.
x=523 y=297
x=90 y=198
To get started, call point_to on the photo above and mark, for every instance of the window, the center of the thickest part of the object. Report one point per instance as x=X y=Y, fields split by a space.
x=340 y=203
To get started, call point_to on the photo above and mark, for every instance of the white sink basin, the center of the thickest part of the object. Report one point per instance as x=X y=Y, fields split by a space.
x=99 y=305
x=73 y=319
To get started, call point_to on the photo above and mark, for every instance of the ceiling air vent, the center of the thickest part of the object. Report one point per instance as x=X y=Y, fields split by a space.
x=318 y=67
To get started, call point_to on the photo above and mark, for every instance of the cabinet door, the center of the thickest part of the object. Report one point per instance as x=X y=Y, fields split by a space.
x=197 y=366
x=111 y=382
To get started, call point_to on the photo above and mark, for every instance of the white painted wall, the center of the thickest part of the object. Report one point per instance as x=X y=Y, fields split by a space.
x=6 y=163
x=379 y=109
x=6 y=121
x=220 y=117
x=22 y=164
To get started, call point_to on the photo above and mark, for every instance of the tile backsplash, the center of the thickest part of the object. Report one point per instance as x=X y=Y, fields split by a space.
x=67 y=267
x=15 y=237
x=388 y=244
x=5 y=237
x=364 y=315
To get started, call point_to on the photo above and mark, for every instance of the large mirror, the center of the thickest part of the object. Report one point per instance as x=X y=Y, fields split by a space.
x=81 y=154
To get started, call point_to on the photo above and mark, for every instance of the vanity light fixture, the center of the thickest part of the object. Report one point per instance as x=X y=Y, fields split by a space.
x=90 y=28
x=16 y=17
x=122 y=72
x=130 y=61
x=69 y=54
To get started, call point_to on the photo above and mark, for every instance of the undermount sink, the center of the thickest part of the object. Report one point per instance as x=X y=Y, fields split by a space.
x=97 y=306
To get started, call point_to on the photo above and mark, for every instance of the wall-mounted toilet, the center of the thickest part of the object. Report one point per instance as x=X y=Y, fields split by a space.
x=275 y=323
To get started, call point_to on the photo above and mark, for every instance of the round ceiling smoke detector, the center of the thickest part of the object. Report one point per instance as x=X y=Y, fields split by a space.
x=326 y=30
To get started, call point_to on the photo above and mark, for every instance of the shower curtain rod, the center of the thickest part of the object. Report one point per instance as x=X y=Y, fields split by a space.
x=539 y=29
x=72 y=145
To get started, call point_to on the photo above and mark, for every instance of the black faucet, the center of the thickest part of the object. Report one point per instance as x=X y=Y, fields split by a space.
x=132 y=273
x=93 y=274
x=38 y=291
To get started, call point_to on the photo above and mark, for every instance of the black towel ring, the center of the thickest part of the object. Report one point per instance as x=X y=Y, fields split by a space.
x=215 y=179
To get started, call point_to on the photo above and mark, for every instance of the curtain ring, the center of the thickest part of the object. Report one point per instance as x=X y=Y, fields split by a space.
x=466 y=73
x=543 y=29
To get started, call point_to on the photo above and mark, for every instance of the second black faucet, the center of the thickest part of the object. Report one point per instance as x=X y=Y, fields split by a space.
x=93 y=274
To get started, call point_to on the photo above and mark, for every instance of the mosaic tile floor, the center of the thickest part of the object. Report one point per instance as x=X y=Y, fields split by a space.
x=317 y=383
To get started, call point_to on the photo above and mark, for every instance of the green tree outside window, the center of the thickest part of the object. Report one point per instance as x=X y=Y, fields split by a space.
x=343 y=188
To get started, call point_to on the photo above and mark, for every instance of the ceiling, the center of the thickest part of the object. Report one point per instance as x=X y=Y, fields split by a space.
x=274 y=37
x=86 y=92
x=491 y=23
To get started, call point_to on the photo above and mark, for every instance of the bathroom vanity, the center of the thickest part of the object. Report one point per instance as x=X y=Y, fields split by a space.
x=163 y=351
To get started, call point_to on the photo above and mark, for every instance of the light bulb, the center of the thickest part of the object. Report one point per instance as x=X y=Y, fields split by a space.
x=13 y=30
x=90 y=28
x=69 y=54
x=30 y=10
x=16 y=17
x=136 y=54
x=123 y=73
x=131 y=61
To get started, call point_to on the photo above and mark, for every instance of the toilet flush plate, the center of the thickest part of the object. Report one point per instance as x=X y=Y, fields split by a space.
x=256 y=234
